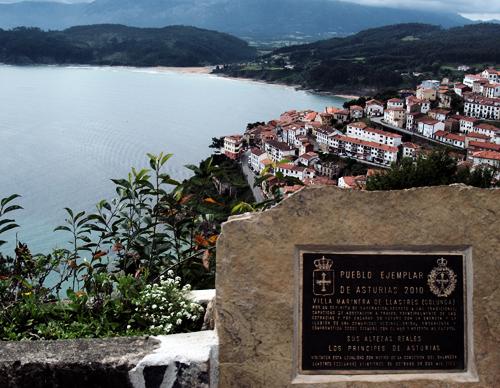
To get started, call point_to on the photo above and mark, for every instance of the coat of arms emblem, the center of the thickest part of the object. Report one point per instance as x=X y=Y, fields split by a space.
x=442 y=280
x=323 y=277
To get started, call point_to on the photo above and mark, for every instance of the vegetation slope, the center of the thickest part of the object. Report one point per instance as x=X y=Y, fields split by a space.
x=120 y=45
x=378 y=58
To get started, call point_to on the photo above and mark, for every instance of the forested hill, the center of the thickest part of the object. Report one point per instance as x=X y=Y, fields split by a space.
x=379 y=57
x=120 y=45
x=260 y=20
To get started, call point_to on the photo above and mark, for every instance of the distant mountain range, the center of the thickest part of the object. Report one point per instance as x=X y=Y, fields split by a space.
x=378 y=58
x=251 y=19
x=120 y=45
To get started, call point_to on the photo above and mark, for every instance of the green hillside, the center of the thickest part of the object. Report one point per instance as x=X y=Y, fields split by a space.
x=378 y=58
x=121 y=45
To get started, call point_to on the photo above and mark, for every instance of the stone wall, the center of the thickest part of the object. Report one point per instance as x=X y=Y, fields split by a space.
x=178 y=360
x=256 y=274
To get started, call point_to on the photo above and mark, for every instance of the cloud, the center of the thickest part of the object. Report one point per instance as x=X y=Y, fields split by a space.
x=478 y=7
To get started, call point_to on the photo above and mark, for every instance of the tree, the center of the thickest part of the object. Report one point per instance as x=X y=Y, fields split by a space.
x=436 y=169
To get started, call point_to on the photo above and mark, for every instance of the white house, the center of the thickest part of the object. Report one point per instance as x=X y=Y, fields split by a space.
x=308 y=159
x=410 y=150
x=323 y=135
x=439 y=114
x=356 y=111
x=467 y=124
x=490 y=158
x=491 y=90
x=450 y=138
x=395 y=103
x=233 y=146
x=428 y=127
x=482 y=107
x=486 y=129
x=469 y=79
x=364 y=150
x=291 y=132
x=255 y=158
x=294 y=171
x=491 y=75
x=374 y=108
x=361 y=131
x=411 y=120
x=278 y=150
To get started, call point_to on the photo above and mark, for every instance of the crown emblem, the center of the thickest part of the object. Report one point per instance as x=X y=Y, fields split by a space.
x=323 y=264
x=442 y=280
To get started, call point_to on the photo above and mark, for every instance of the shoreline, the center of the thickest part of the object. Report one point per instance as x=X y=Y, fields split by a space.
x=292 y=86
x=207 y=70
x=182 y=70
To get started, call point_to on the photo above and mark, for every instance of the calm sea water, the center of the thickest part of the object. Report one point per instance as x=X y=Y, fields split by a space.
x=65 y=131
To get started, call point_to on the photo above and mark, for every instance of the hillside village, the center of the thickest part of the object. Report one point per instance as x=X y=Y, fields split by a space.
x=311 y=146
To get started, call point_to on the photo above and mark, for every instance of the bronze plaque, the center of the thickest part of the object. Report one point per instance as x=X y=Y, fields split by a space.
x=385 y=312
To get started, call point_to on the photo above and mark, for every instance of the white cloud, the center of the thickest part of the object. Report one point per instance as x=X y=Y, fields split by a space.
x=481 y=16
x=478 y=7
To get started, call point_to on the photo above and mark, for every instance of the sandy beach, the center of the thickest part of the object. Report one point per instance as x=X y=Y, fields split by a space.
x=187 y=70
x=347 y=96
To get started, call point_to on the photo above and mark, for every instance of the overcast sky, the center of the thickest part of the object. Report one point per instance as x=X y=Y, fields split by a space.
x=473 y=9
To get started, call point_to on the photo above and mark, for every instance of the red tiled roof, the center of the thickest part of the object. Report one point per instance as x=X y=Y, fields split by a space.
x=366 y=143
x=475 y=135
x=428 y=120
x=487 y=127
x=410 y=145
x=384 y=133
x=469 y=119
x=359 y=124
x=492 y=155
x=484 y=145
x=257 y=151
x=451 y=136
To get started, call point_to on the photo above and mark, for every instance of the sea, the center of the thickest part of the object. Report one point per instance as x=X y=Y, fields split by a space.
x=66 y=131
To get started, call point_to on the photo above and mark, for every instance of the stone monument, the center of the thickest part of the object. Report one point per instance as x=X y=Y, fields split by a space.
x=348 y=288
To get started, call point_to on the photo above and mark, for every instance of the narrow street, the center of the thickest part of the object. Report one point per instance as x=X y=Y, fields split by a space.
x=257 y=192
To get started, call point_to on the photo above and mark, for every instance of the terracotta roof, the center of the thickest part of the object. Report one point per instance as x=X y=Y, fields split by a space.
x=470 y=119
x=279 y=145
x=475 y=135
x=311 y=116
x=492 y=155
x=291 y=167
x=374 y=102
x=410 y=145
x=308 y=155
x=484 y=145
x=358 y=124
x=384 y=133
x=451 y=136
x=487 y=127
x=439 y=110
x=395 y=100
x=366 y=143
x=257 y=151
x=428 y=120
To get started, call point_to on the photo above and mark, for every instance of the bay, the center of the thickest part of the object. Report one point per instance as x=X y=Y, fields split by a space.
x=66 y=131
